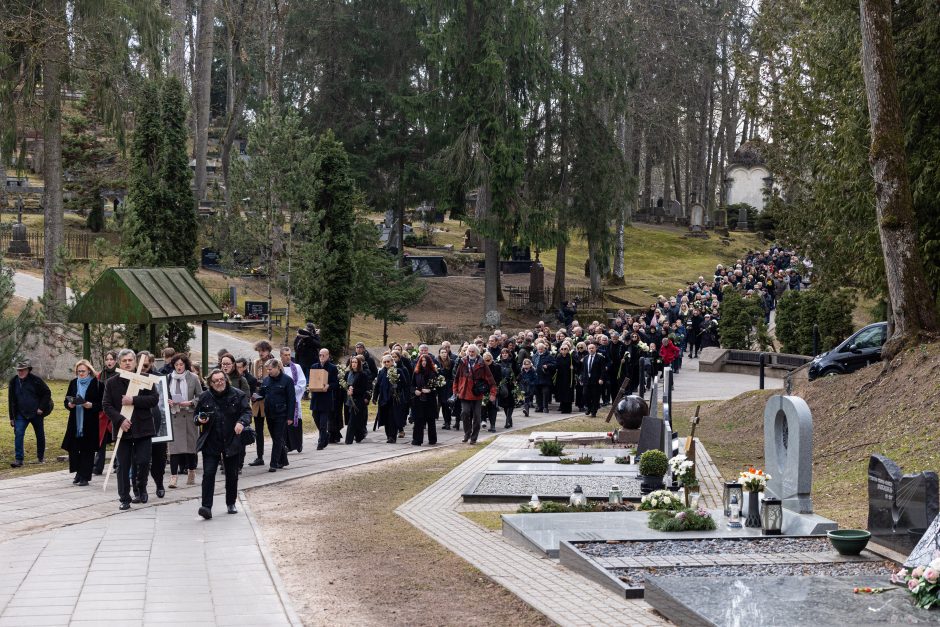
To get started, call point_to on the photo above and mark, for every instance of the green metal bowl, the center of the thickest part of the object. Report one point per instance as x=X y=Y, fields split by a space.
x=849 y=541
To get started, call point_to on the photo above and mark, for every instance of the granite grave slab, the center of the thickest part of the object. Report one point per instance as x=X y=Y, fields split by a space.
x=516 y=487
x=759 y=601
x=900 y=507
x=532 y=456
x=542 y=533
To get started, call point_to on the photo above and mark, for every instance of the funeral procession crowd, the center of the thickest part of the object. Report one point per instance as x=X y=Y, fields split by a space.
x=258 y=402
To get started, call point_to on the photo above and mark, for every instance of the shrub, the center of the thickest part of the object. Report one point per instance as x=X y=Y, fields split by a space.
x=797 y=312
x=553 y=448
x=739 y=319
x=684 y=520
x=653 y=463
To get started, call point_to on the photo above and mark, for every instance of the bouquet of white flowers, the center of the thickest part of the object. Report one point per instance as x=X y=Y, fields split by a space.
x=342 y=371
x=753 y=480
x=683 y=469
x=661 y=499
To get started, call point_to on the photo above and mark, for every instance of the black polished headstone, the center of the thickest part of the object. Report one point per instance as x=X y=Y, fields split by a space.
x=651 y=434
x=256 y=308
x=900 y=507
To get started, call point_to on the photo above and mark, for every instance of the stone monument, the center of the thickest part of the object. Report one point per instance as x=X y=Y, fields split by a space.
x=928 y=548
x=900 y=507
x=537 y=283
x=788 y=452
x=742 y=219
x=697 y=218
x=19 y=247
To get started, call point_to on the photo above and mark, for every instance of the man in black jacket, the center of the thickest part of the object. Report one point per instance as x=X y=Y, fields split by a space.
x=222 y=412
x=136 y=446
x=322 y=404
x=277 y=391
x=30 y=401
x=593 y=371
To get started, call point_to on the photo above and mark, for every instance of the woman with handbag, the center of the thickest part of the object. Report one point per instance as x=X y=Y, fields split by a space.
x=423 y=384
x=184 y=389
x=506 y=389
x=83 y=400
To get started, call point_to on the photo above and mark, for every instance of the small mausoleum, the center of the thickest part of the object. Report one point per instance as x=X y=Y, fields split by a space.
x=747 y=179
x=146 y=297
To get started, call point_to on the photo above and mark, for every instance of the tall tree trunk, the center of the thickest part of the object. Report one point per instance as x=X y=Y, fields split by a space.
x=53 y=67
x=558 y=291
x=202 y=84
x=897 y=224
x=594 y=269
x=3 y=183
x=668 y=170
x=647 y=173
x=491 y=259
x=178 y=39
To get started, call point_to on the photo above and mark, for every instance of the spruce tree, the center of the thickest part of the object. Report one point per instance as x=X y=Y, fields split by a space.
x=182 y=229
x=324 y=279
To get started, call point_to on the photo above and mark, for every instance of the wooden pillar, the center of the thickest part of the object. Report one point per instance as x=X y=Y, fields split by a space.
x=153 y=339
x=205 y=348
x=141 y=334
x=86 y=341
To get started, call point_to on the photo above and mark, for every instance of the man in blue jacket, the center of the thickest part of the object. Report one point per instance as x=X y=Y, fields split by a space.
x=321 y=402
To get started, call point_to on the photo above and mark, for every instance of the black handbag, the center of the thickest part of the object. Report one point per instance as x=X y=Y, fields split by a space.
x=481 y=387
x=248 y=436
x=503 y=391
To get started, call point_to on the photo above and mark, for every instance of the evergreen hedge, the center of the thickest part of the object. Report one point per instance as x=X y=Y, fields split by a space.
x=740 y=318
x=798 y=311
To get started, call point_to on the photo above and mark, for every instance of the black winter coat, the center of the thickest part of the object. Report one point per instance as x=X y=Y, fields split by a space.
x=89 y=439
x=218 y=436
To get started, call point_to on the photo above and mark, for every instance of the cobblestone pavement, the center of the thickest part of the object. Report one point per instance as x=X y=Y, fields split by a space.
x=561 y=594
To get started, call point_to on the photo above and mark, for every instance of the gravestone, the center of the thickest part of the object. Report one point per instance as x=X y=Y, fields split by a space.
x=255 y=309
x=654 y=397
x=667 y=412
x=652 y=434
x=674 y=208
x=928 y=548
x=491 y=319
x=19 y=246
x=537 y=283
x=742 y=219
x=788 y=452
x=900 y=507
x=697 y=218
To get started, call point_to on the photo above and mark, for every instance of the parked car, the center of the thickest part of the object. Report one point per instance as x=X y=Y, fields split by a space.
x=861 y=349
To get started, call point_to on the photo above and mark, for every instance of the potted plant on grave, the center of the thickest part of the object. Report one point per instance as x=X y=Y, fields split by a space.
x=653 y=465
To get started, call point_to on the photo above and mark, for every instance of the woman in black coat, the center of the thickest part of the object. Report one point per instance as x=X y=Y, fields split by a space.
x=505 y=390
x=388 y=397
x=424 y=397
x=357 y=399
x=446 y=370
x=83 y=400
x=490 y=409
x=566 y=377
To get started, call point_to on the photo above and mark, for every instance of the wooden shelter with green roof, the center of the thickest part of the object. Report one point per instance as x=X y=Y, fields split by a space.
x=146 y=297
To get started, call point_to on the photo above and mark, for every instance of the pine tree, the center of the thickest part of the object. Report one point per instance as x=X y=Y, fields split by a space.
x=183 y=227
x=324 y=280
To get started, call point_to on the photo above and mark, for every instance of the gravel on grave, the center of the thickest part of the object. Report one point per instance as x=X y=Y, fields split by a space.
x=556 y=485
x=635 y=577
x=710 y=546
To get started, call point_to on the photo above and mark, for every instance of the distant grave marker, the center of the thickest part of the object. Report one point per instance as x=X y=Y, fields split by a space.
x=900 y=507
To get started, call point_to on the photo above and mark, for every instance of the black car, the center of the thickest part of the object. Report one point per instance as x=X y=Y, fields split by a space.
x=861 y=349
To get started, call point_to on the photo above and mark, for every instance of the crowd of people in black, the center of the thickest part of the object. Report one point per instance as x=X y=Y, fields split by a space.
x=472 y=387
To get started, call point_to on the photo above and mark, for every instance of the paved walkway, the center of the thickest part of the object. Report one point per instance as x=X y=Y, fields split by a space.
x=561 y=594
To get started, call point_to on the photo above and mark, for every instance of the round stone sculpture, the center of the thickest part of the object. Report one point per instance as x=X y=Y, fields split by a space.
x=630 y=411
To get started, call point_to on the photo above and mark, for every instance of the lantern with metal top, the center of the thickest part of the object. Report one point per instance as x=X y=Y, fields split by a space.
x=732 y=488
x=615 y=497
x=577 y=497
x=772 y=517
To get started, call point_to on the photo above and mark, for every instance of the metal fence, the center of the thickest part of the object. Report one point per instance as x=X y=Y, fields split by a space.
x=524 y=299
x=79 y=245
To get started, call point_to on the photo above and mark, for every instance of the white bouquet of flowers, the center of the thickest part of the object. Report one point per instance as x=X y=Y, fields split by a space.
x=661 y=499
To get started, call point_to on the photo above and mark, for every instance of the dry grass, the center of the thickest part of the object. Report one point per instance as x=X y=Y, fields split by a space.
x=888 y=409
x=347 y=559
x=492 y=521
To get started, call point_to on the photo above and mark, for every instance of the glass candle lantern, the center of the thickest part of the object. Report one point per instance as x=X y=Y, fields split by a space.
x=734 y=513
x=615 y=497
x=772 y=517
x=577 y=497
x=732 y=488
x=534 y=503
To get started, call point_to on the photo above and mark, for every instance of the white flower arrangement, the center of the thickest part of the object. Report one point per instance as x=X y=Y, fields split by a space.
x=661 y=499
x=753 y=480
x=644 y=347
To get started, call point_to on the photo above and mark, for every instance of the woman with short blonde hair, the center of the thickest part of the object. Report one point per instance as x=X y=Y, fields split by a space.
x=83 y=402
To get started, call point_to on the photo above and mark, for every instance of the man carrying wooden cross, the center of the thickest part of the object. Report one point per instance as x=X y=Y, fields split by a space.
x=127 y=401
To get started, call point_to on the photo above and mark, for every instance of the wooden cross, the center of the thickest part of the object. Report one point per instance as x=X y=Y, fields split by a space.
x=690 y=440
x=136 y=383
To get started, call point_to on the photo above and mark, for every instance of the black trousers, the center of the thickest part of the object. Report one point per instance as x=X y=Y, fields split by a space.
x=158 y=464
x=83 y=460
x=276 y=427
x=133 y=453
x=445 y=412
x=100 y=456
x=210 y=466
x=294 y=435
x=259 y=435
x=357 y=422
x=592 y=396
x=336 y=422
x=323 y=420
x=425 y=417
x=543 y=397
